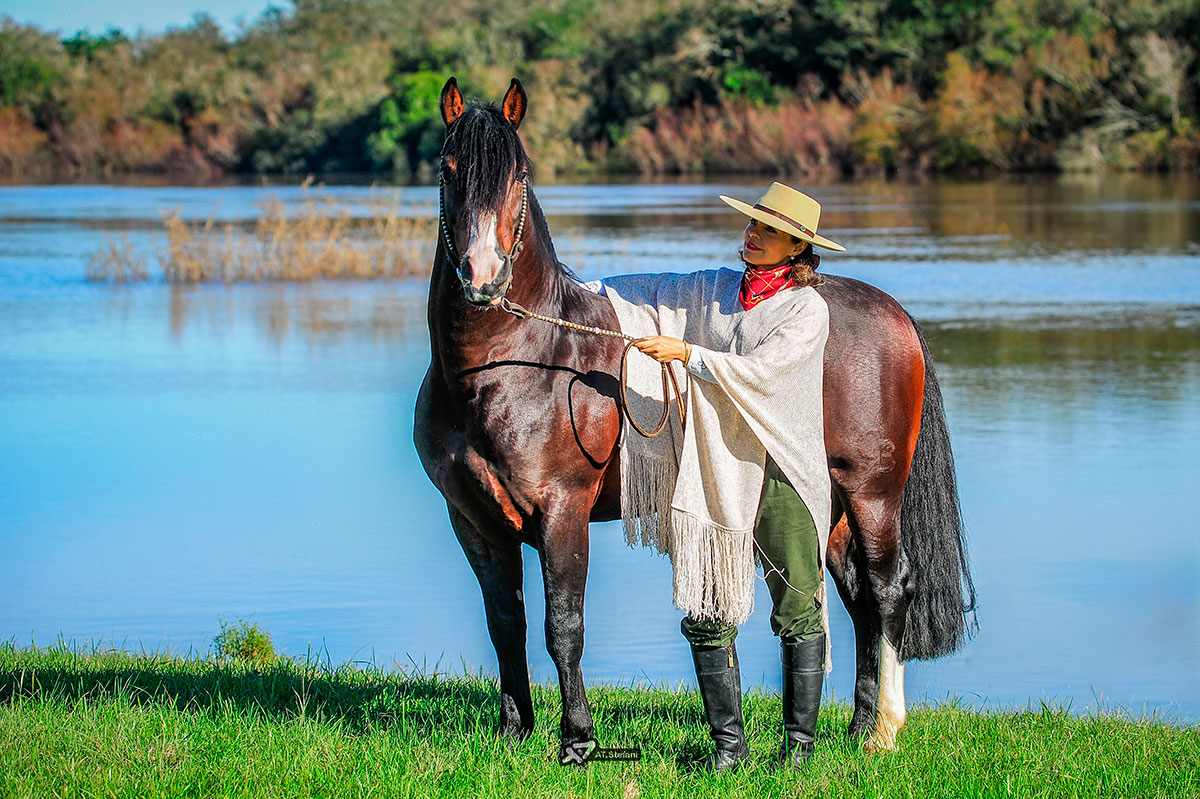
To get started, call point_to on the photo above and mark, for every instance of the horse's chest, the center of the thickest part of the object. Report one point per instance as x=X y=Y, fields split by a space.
x=487 y=458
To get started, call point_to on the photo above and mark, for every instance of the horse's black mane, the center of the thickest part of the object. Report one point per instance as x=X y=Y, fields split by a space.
x=488 y=151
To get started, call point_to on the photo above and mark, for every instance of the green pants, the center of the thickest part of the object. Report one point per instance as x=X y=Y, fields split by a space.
x=788 y=547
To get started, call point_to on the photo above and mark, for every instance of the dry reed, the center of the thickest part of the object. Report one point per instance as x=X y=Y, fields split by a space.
x=322 y=239
x=118 y=262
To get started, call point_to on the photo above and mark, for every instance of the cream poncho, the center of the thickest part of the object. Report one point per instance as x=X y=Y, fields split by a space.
x=694 y=495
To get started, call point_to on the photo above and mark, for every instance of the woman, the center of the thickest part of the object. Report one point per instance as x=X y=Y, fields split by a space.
x=766 y=376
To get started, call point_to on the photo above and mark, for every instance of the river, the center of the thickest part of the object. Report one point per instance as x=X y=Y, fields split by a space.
x=175 y=455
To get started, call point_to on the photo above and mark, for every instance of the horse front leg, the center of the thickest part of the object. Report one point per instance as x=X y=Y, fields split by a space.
x=564 y=558
x=498 y=568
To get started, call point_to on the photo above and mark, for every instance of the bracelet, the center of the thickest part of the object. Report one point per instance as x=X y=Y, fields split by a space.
x=688 y=355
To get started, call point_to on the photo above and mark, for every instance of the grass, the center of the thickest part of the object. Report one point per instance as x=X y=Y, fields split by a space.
x=324 y=238
x=107 y=723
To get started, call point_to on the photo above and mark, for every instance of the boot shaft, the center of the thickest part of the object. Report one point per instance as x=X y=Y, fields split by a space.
x=803 y=679
x=719 y=677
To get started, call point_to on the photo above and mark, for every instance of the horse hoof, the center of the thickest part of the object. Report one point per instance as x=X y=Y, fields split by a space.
x=883 y=737
x=879 y=743
x=576 y=753
x=860 y=728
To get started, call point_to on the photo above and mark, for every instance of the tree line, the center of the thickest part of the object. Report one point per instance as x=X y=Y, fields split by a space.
x=666 y=86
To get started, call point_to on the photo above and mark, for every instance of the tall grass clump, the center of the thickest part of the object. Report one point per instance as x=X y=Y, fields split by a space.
x=325 y=238
x=244 y=641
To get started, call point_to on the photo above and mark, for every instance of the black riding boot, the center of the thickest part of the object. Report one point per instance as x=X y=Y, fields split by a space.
x=803 y=676
x=721 y=689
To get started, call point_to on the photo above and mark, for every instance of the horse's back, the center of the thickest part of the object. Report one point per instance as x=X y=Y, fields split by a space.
x=858 y=309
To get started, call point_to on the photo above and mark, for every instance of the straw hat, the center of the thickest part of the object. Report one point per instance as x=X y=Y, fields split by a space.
x=784 y=208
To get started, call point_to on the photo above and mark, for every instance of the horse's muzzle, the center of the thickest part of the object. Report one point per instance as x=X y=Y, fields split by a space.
x=491 y=293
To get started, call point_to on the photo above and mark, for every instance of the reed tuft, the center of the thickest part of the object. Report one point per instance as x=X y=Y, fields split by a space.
x=323 y=239
x=118 y=261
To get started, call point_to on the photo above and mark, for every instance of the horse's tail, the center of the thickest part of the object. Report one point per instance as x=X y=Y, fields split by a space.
x=933 y=538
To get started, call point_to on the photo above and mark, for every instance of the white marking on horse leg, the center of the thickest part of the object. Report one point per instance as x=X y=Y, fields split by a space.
x=889 y=708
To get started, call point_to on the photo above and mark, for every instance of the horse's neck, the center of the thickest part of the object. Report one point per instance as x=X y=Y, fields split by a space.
x=543 y=284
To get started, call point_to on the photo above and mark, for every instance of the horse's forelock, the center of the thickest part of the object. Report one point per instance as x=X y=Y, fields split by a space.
x=488 y=152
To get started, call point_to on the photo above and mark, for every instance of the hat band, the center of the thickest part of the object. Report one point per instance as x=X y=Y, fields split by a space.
x=787 y=219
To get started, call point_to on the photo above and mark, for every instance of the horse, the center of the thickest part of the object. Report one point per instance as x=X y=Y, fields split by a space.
x=518 y=423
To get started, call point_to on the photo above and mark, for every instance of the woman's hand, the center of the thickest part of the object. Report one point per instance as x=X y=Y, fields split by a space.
x=664 y=349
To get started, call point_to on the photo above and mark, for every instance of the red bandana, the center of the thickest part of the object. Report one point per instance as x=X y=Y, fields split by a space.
x=761 y=284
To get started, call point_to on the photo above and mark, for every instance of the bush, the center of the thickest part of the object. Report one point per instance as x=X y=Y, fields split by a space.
x=244 y=641
x=21 y=144
x=977 y=117
x=409 y=127
x=887 y=124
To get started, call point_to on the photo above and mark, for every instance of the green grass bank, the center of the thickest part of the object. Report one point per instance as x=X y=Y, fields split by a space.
x=106 y=723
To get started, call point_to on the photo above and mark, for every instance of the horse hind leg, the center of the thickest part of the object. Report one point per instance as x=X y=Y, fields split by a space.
x=890 y=714
x=499 y=570
x=887 y=573
x=870 y=570
x=846 y=564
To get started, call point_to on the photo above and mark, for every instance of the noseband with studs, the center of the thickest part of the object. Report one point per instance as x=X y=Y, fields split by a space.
x=452 y=251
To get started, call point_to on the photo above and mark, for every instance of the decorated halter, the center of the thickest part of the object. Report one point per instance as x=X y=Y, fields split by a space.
x=452 y=251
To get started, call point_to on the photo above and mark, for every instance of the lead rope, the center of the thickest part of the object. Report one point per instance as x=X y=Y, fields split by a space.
x=669 y=382
x=521 y=312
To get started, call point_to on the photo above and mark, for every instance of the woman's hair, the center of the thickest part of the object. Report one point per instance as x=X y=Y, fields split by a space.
x=804 y=266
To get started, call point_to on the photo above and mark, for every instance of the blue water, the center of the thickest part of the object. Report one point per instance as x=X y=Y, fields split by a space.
x=172 y=456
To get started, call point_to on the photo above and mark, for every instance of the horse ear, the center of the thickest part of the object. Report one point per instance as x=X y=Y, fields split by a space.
x=451 y=101
x=515 y=103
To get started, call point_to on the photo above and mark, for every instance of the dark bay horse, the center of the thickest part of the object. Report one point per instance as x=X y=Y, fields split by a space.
x=517 y=424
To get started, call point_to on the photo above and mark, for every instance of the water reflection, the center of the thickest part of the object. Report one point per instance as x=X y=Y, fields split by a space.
x=1057 y=358
x=320 y=315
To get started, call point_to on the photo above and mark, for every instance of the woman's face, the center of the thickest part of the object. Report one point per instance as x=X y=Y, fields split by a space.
x=763 y=245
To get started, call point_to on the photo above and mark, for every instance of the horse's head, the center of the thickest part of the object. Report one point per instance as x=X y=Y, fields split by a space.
x=484 y=190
